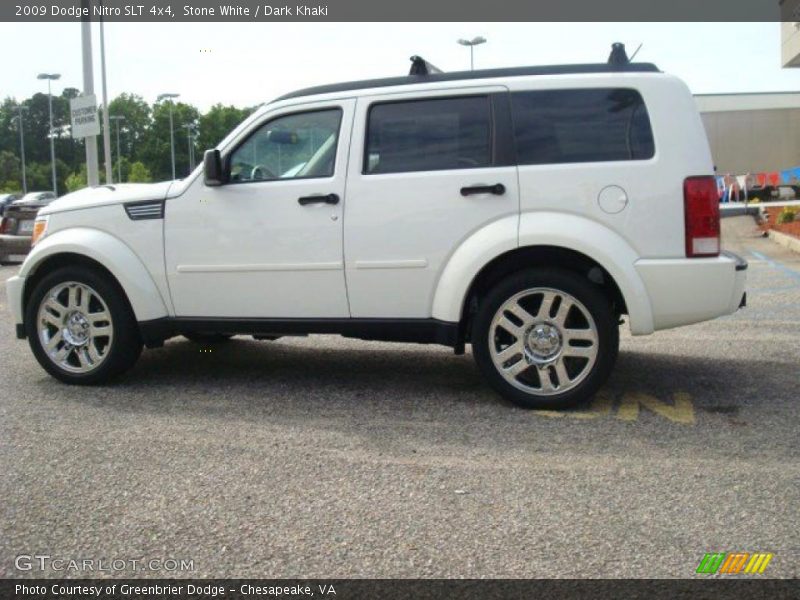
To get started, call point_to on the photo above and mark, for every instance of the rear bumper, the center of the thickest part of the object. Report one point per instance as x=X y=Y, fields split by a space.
x=14 y=287
x=14 y=244
x=685 y=291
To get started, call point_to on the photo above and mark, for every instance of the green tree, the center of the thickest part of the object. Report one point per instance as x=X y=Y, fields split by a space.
x=139 y=173
x=134 y=126
x=10 y=171
x=123 y=165
x=76 y=181
x=156 y=153
x=9 y=132
x=217 y=123
x=144 y=138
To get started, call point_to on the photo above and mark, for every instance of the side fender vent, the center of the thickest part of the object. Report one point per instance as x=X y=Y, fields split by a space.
x=148 y=209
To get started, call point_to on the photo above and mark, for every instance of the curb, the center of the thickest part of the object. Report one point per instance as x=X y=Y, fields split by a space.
x=787 y=241
x=737 y=211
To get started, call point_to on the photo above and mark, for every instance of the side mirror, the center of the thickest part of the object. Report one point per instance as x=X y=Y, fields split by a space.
x=212 y=166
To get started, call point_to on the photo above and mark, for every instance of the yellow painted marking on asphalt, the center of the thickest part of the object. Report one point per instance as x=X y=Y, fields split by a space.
x=600 y=407
x=553 y=414
x=682 y=411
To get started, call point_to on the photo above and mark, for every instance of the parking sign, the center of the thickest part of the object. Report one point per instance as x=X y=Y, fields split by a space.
x=83 y=111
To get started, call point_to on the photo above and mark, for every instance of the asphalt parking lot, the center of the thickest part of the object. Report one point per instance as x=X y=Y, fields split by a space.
x=326 y=457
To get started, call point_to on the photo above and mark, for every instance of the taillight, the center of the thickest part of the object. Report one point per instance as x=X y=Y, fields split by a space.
x=3 y=224
x=701 y=216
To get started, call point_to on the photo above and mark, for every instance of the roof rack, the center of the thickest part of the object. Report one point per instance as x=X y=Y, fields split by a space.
x=424 y=72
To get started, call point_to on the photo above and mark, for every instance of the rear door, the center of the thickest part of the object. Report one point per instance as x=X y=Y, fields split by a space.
x=427 y=170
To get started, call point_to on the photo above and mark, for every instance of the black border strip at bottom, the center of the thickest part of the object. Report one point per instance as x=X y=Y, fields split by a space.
x=406 y=589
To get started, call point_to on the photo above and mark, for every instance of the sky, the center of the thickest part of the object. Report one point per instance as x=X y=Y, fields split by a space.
x=245 y=64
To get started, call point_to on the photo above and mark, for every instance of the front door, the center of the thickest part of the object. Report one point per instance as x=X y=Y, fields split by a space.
x=267 y=243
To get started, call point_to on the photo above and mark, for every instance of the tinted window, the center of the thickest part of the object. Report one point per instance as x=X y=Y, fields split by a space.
x=429 y=135
x=587 y=125
x=294 y=146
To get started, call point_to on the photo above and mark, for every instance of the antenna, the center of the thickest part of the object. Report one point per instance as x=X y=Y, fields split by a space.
x=635 y=53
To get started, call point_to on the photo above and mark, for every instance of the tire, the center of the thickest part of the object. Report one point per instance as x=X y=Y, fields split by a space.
x=94 y=339
x=208 y=338
x=540 y=359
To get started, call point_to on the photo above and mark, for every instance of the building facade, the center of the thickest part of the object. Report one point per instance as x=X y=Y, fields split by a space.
x=751 y=133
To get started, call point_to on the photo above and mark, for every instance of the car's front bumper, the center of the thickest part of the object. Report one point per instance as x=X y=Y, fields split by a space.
x=14 y=244
x=14 y=287
x=684 y=291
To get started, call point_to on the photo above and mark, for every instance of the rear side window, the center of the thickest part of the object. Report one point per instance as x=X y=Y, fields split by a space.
x=581 y=125
x=429 y=135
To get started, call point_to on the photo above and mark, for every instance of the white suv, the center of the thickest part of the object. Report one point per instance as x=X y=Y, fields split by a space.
x=522 y=211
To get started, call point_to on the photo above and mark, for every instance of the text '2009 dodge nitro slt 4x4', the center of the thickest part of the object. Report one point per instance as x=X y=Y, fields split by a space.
x=521 y=211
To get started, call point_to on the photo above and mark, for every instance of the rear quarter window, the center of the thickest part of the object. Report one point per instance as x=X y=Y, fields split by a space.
x=581 y=125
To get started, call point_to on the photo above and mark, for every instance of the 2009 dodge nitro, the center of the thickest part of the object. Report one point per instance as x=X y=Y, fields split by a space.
x=521 y=211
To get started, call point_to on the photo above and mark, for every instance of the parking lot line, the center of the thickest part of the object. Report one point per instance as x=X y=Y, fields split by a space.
x=776 y=264
x=681 y=411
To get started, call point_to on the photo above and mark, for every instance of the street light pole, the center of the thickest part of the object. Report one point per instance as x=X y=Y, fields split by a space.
x=90 y=142
x=51 y=77
x=118 y=118
x=106 y=132
x=471 y=44
x=190 y=140
x=22 y=149
x=171 y=127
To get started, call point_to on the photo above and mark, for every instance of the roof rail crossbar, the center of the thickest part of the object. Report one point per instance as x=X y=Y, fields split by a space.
x=420 y=66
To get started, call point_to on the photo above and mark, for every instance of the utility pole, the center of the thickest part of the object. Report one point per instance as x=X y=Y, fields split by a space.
x=92 y=175
x=170 y=97
x=106 y=128
x=119 y=155
x=51 y=77
x=22 y=148
x=471 y=44
x=189 y=127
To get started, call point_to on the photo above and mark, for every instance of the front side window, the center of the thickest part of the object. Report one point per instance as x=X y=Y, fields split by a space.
x=429 y=135
x=581 y=125
x=301 y=145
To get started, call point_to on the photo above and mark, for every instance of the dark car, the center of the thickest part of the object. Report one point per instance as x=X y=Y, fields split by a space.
x=16 y=227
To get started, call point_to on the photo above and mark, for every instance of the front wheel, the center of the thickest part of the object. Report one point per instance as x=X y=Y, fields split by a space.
x=80 y=326
x=545 y=338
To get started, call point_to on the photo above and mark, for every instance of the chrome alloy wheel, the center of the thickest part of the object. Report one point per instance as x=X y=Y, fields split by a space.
x=74 y=327
x=543 y=341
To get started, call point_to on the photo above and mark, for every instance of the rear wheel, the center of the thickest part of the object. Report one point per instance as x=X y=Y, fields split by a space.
x=80 y=326
x=545 y=338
